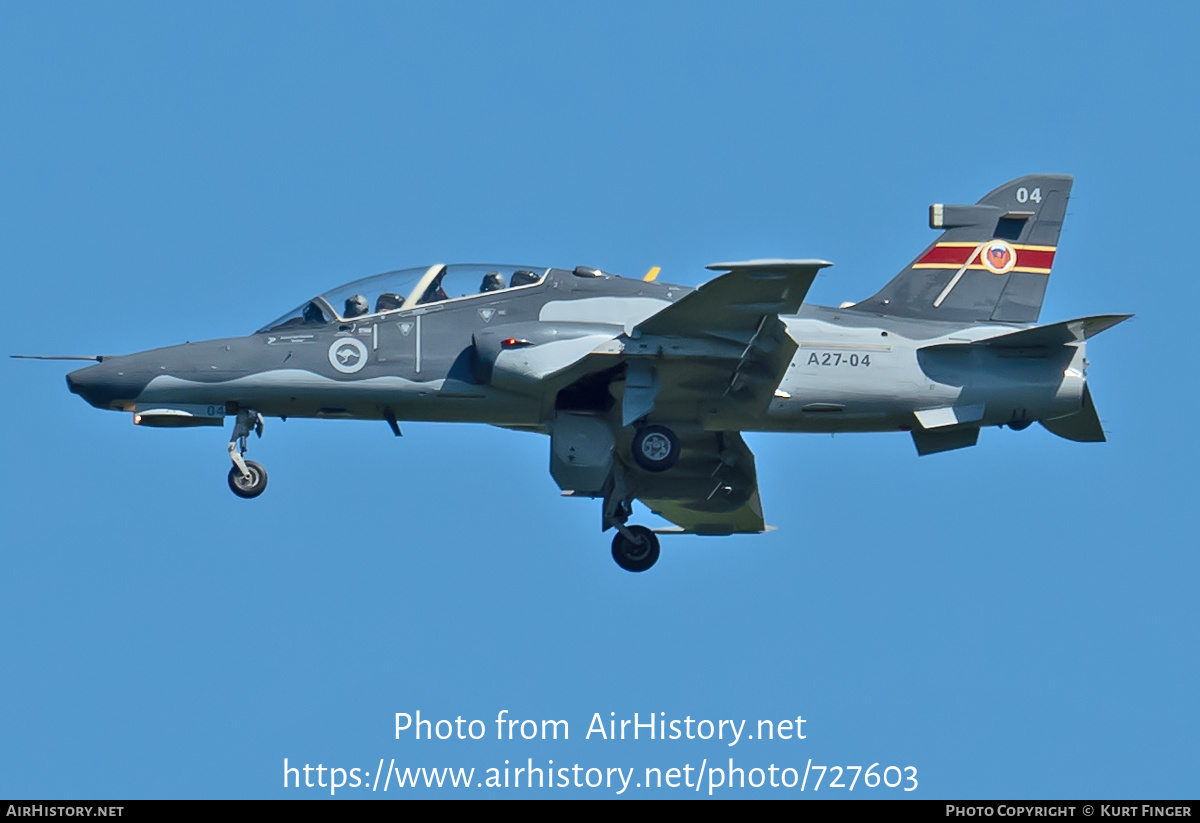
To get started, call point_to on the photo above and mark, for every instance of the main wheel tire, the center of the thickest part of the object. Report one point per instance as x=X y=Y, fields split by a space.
x=636 y=556
x=251 y=486
x=655 y=448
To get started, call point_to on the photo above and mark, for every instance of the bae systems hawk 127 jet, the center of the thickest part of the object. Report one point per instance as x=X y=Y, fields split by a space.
x=645 y=388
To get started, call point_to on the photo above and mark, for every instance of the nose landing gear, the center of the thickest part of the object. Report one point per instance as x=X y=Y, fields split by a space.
x=246 y=479
x=252 y=483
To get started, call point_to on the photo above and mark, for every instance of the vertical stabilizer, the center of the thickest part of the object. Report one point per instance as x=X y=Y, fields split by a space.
x=991 y=262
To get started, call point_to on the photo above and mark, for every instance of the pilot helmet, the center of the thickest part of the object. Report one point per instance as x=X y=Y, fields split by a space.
x=388 y=301
x=313 y=313
x=522 y=277
x=356 y=305
x=492 y=281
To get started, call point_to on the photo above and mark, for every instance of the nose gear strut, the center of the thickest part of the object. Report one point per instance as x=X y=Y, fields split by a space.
x=246 y=478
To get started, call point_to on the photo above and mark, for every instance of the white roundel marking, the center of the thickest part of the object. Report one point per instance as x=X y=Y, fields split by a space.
x=998 y=257
x=348 y=355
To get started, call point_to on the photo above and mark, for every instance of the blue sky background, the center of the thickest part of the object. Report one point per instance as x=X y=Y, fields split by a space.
x=1014 y=620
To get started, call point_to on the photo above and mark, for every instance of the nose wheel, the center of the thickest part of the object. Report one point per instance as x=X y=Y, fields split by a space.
x=247 y=479
x=250 y=484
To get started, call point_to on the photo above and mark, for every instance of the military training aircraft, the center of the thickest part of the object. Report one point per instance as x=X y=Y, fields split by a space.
x=644 y=388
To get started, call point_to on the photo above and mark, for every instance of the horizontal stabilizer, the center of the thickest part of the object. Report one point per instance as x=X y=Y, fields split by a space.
x=1055 y=334
x=944 y=440
x=1042 y=337
x=1083 y=426
x=949 y=416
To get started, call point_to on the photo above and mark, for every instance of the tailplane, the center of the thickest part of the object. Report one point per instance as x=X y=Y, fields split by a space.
x=991 y=262
x=1083 y=426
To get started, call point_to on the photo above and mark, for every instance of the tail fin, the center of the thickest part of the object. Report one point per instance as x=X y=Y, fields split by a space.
x=991 y=262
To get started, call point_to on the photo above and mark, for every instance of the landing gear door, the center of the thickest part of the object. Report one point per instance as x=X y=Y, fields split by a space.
x=581 y=453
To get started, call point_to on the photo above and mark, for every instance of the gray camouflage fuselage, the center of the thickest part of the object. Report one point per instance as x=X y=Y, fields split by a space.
x=851 y=371
x=643 y=387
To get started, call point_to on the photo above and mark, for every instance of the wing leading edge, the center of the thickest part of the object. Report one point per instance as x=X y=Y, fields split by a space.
x=738 y=299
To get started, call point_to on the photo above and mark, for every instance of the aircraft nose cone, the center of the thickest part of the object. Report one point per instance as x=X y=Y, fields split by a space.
x=84 y=383
x=102 y=385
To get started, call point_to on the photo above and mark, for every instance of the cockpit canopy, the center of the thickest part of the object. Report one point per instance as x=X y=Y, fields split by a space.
x=407 y=289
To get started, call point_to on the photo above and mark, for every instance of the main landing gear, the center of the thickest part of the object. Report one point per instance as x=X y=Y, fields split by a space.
x=655 y=448
x=634 y=548
x=246 y=478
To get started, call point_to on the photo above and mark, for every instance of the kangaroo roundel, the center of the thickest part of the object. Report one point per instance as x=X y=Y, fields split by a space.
x=348 y=355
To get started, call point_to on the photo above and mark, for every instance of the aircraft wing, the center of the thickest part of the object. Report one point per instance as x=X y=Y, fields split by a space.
x=737 y=300
x=713 y=489
x=718 y=353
